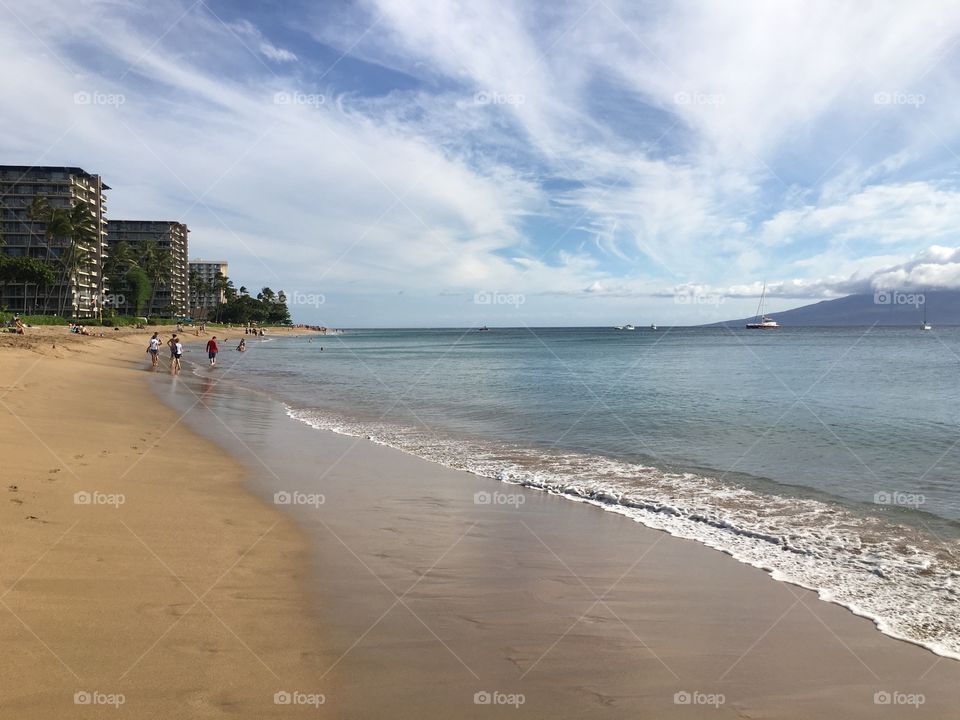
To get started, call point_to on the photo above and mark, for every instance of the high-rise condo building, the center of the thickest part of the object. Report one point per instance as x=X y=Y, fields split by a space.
x=159 y=247
x=56 y=215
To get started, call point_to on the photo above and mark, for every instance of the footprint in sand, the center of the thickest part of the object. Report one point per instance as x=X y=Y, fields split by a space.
x=154 y=609
x=55 y=470
x=77 y=457
x=12 y=488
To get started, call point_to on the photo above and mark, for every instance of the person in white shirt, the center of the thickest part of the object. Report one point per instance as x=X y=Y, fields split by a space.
x=177 y=349
x=154 y=349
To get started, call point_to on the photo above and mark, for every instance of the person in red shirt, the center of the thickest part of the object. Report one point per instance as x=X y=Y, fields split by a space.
x=212 y=350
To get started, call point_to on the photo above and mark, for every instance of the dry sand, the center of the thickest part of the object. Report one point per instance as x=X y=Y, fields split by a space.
x=173 y=587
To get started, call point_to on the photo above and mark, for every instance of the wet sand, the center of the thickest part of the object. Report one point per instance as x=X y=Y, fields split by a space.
x=545 y=607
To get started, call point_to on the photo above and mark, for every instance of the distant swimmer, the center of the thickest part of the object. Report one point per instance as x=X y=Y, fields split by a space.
x=242 y=346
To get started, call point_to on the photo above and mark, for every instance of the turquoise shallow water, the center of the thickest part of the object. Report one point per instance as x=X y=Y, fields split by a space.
x=827 y=456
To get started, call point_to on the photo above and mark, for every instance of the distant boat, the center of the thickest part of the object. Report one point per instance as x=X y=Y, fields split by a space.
x=762 y=321
x=653 y=326
x=925 y=325
x=629 y=327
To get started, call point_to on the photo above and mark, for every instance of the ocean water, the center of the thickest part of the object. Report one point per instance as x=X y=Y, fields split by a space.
x=829 y=457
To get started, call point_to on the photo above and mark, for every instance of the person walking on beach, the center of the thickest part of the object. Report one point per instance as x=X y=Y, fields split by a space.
x=212 y=350
x=154 y=349
x=172 y=344
x=177 y=354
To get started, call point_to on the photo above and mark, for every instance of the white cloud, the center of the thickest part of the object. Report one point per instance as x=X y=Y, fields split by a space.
x=249 y=33
x=886 y=214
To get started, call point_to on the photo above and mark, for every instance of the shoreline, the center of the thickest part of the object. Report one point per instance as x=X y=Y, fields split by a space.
x=420 y=586
x=697 y=526
x=137 y=570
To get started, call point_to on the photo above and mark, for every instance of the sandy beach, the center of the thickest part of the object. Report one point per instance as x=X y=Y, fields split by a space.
x=136 y=571
x=220 y=553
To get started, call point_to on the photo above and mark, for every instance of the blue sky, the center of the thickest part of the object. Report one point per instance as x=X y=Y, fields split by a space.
x=408 y=162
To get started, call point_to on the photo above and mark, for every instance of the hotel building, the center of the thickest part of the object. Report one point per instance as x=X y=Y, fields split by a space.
x=78 y=289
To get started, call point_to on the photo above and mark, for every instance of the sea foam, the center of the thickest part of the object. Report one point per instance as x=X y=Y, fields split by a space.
x=902 y=578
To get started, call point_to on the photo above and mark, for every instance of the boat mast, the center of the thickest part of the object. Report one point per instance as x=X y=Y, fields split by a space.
x=760 y=306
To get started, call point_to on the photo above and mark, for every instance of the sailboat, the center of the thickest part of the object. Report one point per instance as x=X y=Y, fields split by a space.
x=925 y=325
x=762 y=322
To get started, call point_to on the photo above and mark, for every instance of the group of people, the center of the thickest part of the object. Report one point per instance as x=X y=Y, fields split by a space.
x=175 y=344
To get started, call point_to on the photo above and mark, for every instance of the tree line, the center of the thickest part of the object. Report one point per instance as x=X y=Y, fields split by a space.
x=239 y=306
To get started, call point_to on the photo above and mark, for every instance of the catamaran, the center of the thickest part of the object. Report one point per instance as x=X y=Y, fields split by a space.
x=762 y=321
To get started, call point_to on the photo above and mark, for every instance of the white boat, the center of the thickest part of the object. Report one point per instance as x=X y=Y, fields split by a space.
x=925 y=325
x=629 y=327
x=763 y=322
x=653 y=326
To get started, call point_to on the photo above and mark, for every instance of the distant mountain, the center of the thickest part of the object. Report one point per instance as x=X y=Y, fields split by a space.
x=887 y=309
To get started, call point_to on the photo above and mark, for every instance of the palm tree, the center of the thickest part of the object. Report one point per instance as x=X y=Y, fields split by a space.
x=116 y=269
x=203 y=290
x=79 y=256
x=157 y=262
x=57 y=224
x=193 y=288
x=223 y=287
